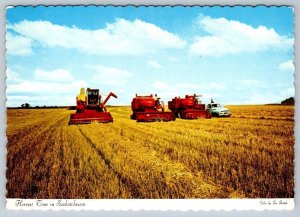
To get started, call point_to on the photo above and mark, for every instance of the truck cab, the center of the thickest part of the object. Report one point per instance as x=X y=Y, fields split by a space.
x=218 y=110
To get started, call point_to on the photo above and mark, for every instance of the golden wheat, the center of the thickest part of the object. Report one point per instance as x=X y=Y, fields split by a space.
x=249 y=155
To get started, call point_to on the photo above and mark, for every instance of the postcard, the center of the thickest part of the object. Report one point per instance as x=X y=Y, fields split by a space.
x=150 y=107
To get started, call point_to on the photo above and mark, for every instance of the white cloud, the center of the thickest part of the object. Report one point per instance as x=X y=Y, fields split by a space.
x=252 y=83
x=287 y=93
x=201 y=87
x=18 y=45
x=110 y=75
x=49 y=100
x=41 y=88
x=153 y=64
x=43 y=93
x=233 y=37
x=265 y=97
x=262 y=98
x=287 y=66
x=12 y=76
x=269 y=97
x=121 y=37
x=215 y=85
x=57 y=75
x=168 y=91
x=160 y=85
x=173 y=59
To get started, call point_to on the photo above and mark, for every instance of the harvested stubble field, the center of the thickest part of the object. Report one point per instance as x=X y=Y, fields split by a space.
x=249 y=155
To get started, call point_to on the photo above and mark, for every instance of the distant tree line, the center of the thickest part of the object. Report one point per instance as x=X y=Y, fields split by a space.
x=25 y=105
x=289 y=101
x=28 y=106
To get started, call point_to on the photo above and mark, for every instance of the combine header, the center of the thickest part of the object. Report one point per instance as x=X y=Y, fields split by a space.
x=189 y=107
x=90 y=108
x=149 y=109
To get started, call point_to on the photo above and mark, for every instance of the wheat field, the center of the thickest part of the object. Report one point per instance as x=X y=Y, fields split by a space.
x=249 y=155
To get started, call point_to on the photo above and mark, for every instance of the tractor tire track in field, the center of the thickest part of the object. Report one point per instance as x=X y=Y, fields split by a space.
x=12 y=140
x=35 y=157
x=251 y=158
x=127 y=182
x=157 y=146
x=43 y=169
x=204 y=138
x=14 y=137
x=31 y=189
x=255 y=150
x=163 y=180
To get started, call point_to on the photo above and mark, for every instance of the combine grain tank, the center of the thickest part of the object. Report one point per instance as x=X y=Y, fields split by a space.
x=189 y=107
x=91 y=108
x=148 y=109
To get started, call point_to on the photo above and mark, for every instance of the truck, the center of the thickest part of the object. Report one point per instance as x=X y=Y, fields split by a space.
x=217 y=110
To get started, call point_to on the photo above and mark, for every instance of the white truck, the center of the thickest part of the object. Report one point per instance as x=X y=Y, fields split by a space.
x=218 y=110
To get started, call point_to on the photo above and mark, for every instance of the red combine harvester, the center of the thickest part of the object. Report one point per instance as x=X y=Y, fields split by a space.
x=148 y=109
x=189 y=107
x=90 y=108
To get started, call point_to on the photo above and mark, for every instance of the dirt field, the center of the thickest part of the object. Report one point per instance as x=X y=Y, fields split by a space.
x=249 y=155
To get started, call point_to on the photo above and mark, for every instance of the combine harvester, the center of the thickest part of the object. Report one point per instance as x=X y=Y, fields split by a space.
x=90 y=108
x=189 y=107
x=149 y=109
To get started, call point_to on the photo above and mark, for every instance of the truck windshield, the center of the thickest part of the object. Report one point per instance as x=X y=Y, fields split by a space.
x=216 y=105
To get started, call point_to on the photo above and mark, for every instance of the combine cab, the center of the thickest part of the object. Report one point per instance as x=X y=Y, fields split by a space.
x=188 y=108
x=90 y=108
x=149 y=109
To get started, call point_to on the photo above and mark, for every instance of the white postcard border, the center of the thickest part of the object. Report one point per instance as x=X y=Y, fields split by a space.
x=239 y=204
x=151 y=204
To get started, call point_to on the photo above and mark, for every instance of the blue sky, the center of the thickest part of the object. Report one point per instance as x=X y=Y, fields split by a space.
x=239 y=55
